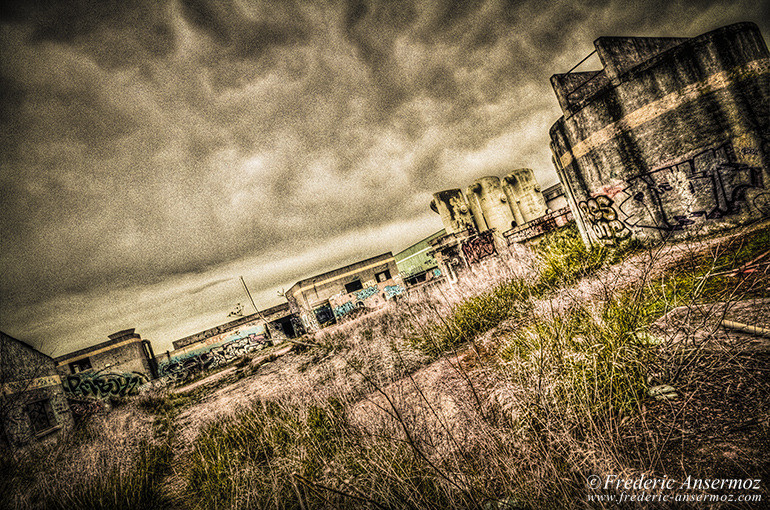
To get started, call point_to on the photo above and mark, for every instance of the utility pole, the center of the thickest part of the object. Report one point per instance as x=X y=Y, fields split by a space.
x=267 y=331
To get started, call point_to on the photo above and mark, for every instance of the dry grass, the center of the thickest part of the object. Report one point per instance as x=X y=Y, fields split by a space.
x=505 y=390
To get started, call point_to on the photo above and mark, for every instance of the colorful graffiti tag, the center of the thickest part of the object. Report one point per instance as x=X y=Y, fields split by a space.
x=394 y=290
x=709 y=185
x=479 y=247
x=367 y=292
x=104 y=385
x=344 y=308
x=603 y=218
x=188 y=365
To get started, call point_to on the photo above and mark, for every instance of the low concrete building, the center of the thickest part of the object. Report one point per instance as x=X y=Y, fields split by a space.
x=416 y=264
x=669 y=138
x=33 y=405
x=225 y=343
x=555 y=199
x=116 y=367
x=326 y=298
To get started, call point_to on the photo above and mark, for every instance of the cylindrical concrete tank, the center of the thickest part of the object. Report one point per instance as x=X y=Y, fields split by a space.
x=474 y=202
x=488 y=193
x=671 y=138
x=524 y=195
x=451 y=206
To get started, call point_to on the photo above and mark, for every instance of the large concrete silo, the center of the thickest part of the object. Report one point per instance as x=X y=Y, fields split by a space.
x=524 y=195
x=454 y=211
x=488 y=193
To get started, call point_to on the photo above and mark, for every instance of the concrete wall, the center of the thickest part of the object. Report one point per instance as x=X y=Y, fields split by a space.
x=124 y=352
x=670 y=138
x=555 y=198
x=491 y=204
x=33 y=408
x=524 y=195
x=456 y=214
x=324 y=298
x=200 y=352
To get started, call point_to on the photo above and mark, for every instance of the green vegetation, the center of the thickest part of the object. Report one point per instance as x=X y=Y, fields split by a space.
x=536 y=388
x=565 y=258
x=475 y=316
x=274 y=455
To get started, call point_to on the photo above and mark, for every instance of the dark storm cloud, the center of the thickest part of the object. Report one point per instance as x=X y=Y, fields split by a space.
x=160 y=143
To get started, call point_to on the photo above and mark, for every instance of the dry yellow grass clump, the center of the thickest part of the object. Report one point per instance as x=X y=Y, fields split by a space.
x=505 y=390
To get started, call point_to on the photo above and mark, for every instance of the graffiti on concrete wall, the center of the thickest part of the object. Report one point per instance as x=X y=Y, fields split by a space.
x=393 y=290
x=344 y=308
x=189 y=365
x=709 y=185
x=104 y=385
x=603 y=219
x=479 y=247
x=367 y=292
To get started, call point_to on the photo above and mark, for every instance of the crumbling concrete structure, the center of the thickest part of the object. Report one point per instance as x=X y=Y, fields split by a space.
x=225 y=343
x=33 y=405
x=325 y=299
x=116 y=367
x=491 y=203
x=417 y=265
x=670 y=138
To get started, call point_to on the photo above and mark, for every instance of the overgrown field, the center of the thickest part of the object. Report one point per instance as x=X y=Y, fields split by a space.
x=508 y=390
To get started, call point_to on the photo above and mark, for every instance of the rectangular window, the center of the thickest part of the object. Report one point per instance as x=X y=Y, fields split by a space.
x=80 y=365
x=381 y=277
x=41 y=416
x=353 y=286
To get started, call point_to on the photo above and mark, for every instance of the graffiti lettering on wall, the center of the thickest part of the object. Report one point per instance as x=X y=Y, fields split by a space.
x=369 y=291
x=393 y=290
x=603 y=218
x=81 y=406
x=479 y=247
x=709 y=185
x=184 y=367
x=344 y=308
x=103 y=385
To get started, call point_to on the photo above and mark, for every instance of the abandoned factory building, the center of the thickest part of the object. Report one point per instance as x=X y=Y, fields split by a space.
x=670 y=137
x=326 y=298
x=33 y=405
x=124 y=352
x=416 y=264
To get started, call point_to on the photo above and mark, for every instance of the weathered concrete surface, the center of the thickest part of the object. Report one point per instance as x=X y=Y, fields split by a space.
x=455 y=213
x=524 y=195
x=124 y=352
x=33 y=406
x=670 y=138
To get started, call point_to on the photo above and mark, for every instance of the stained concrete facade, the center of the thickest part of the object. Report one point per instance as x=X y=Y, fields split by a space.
x=491 y=203
x=124 y=352
x=555 y=198
x=670 y=138
x=416 y=264
x=33 y=405
x=332 y=296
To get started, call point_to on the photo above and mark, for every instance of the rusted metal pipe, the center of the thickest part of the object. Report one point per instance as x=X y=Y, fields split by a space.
x=752 y=330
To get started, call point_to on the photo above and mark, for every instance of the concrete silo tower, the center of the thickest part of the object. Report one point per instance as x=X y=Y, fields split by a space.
x=524 y=195
x=488 y=195
x=451 y=206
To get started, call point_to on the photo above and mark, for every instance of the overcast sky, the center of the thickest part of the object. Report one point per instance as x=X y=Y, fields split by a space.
x=153 y=151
